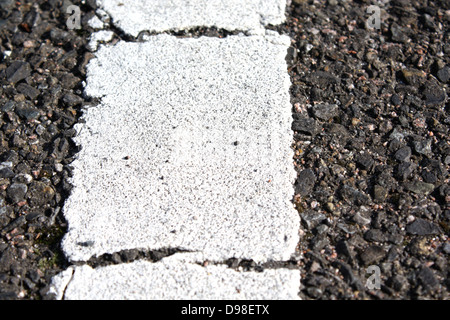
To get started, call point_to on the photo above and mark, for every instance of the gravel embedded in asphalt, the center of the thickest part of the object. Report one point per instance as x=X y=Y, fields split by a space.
x=391 y=88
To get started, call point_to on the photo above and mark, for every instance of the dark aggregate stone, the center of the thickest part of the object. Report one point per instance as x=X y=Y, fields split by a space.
x=305 y=125
x=434 y=94
x=40 y=193
x=422 y=146
x=395 y=99
x=6 y=173
x=349 y=275
x=394 y=145
x=311 y=219
x=32 y=216
x=71 y=100
x=325 y=112
x=362 y=218
x=339 y=133
x=6 y=5
x=129 y=255
x=8 y=295
x=429 y=177
x=405 y=170
x=373 y=254
x=353 y=195
x=305 y=182
x=418 y=246
x=314 y=292
x=28 y=90
x=403 y=154
x=427 y=278
x=319 y=242
x=380 y=193
x=446 y=248
x=414 y=77
x=14 y=224
x=18 y=70
x=34 y=275
x=16 y=192
x=365 y=161
x=375 y=235
x=398 y=33
x=419 y=187
x=422 y=227
x=69 y=81
x=444 y=74
x=28 y=113
x=399 y=283
x=115 y=258
x=8 y=106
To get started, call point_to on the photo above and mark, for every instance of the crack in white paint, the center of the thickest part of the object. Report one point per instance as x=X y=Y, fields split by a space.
x=134 y=16
x=178 y=277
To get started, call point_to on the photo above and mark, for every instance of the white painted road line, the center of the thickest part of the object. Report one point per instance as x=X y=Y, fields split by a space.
x=134 y=16
x=189 y=148
x=174 y=278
